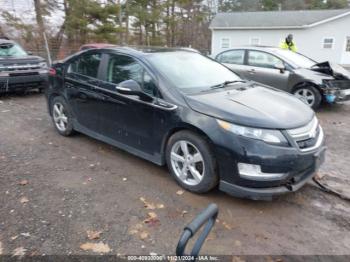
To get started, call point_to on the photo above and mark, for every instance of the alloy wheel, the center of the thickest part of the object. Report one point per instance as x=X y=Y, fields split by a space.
x=59 y=116
x=187 y=162
x=305 y=95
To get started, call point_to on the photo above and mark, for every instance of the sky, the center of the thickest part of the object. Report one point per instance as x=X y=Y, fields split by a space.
x=24 y=9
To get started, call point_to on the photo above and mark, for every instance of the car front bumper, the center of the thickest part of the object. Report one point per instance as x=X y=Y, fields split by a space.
x=337 y=90
x=343 y=95
x=15 y=81
x=298 y=166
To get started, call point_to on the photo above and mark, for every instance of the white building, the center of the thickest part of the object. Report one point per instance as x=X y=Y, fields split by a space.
x=320 y=34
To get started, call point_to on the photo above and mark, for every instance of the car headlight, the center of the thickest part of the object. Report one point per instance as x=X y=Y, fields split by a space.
x=267 y=135
x=43 y=64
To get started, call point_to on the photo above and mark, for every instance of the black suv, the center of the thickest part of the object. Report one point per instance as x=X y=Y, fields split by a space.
x=179 y=108
x=19 y=70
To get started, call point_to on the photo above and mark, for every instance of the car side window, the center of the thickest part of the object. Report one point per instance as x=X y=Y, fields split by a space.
x=232 y=57
x=86 y=65
x=121 y=68
x=262 y=59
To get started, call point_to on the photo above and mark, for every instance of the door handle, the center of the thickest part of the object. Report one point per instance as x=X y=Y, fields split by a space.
x=252 y=71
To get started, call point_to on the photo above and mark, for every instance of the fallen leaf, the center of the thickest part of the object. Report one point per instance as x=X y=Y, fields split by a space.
x=260 y=237
x=133 y=231
x=125 y=179
x=152 y=215
x=144 y=235
x=146 y=204
x=24 y=200
x=152 y=219
x=25 y=234
x=96 y=247
x=211 y=236
x=23 y=182
x=237 y=259
x=184 y=213
x=180 y=192
x=227 y=226
x=14 y=237
x=93 y=234
x=319 y=176
x=19 y=252
x=160 y=206
x=238 y=243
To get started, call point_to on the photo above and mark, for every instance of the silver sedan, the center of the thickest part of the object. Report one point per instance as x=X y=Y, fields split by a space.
x=310 y=81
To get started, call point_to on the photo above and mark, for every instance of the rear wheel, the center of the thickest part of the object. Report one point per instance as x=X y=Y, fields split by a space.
x=310 y=95
x=61 y=116
x=191 y=162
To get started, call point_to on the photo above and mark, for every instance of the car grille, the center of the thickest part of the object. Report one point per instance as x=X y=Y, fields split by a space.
x=308 y=137
x=24 y=74
x=19 y=67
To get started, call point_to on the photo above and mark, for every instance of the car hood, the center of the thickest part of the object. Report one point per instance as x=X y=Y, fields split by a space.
x=332 y=69
x=254 y=106
x=22 y=59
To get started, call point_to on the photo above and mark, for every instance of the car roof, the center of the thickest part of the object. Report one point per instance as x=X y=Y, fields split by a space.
x=136 y=51
x=97 y=45
x=144 y=50
x=5 y=41
x=255 y=47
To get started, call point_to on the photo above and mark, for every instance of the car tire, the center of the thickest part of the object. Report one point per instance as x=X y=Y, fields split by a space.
x=62 y=116
x=198 y=173
x=308 y=94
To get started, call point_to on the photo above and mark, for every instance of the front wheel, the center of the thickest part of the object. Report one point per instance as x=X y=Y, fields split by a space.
x=309 y=95
x=191 y=162
x=61 y=116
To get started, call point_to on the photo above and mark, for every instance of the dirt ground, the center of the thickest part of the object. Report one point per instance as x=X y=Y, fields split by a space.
x=55 y=189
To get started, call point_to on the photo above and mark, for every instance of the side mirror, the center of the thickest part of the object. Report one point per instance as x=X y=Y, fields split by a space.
x=281 y=67
x=132 y=88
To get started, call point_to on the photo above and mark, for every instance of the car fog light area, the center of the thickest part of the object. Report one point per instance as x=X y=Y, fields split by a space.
x=250 y=171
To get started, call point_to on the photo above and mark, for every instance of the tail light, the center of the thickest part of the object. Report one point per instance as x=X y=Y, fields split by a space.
x=52 y=71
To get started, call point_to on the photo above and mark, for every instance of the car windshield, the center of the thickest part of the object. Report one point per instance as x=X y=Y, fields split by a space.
x=10 y=49
x=296 y=58
x=191 y=72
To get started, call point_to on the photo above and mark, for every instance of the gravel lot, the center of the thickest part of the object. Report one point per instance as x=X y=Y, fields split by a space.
x=55 y=189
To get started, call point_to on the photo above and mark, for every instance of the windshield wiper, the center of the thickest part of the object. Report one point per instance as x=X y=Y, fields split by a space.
x=226 y=83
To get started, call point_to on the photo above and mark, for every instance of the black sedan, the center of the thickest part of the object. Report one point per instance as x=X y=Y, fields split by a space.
x=179 y=108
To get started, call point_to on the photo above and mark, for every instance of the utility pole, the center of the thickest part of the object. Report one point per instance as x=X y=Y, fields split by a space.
x=127 y=22
x=40 y=22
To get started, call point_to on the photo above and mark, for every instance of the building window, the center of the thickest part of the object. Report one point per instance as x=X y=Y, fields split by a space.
x=347 y=48
x=225 y=43
x=255 y=41
x=328 y=43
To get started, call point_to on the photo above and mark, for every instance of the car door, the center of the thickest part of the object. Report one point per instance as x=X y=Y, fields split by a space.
x=262 y=67
x=234 y=59
x=81 y=83
x=129 y=119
